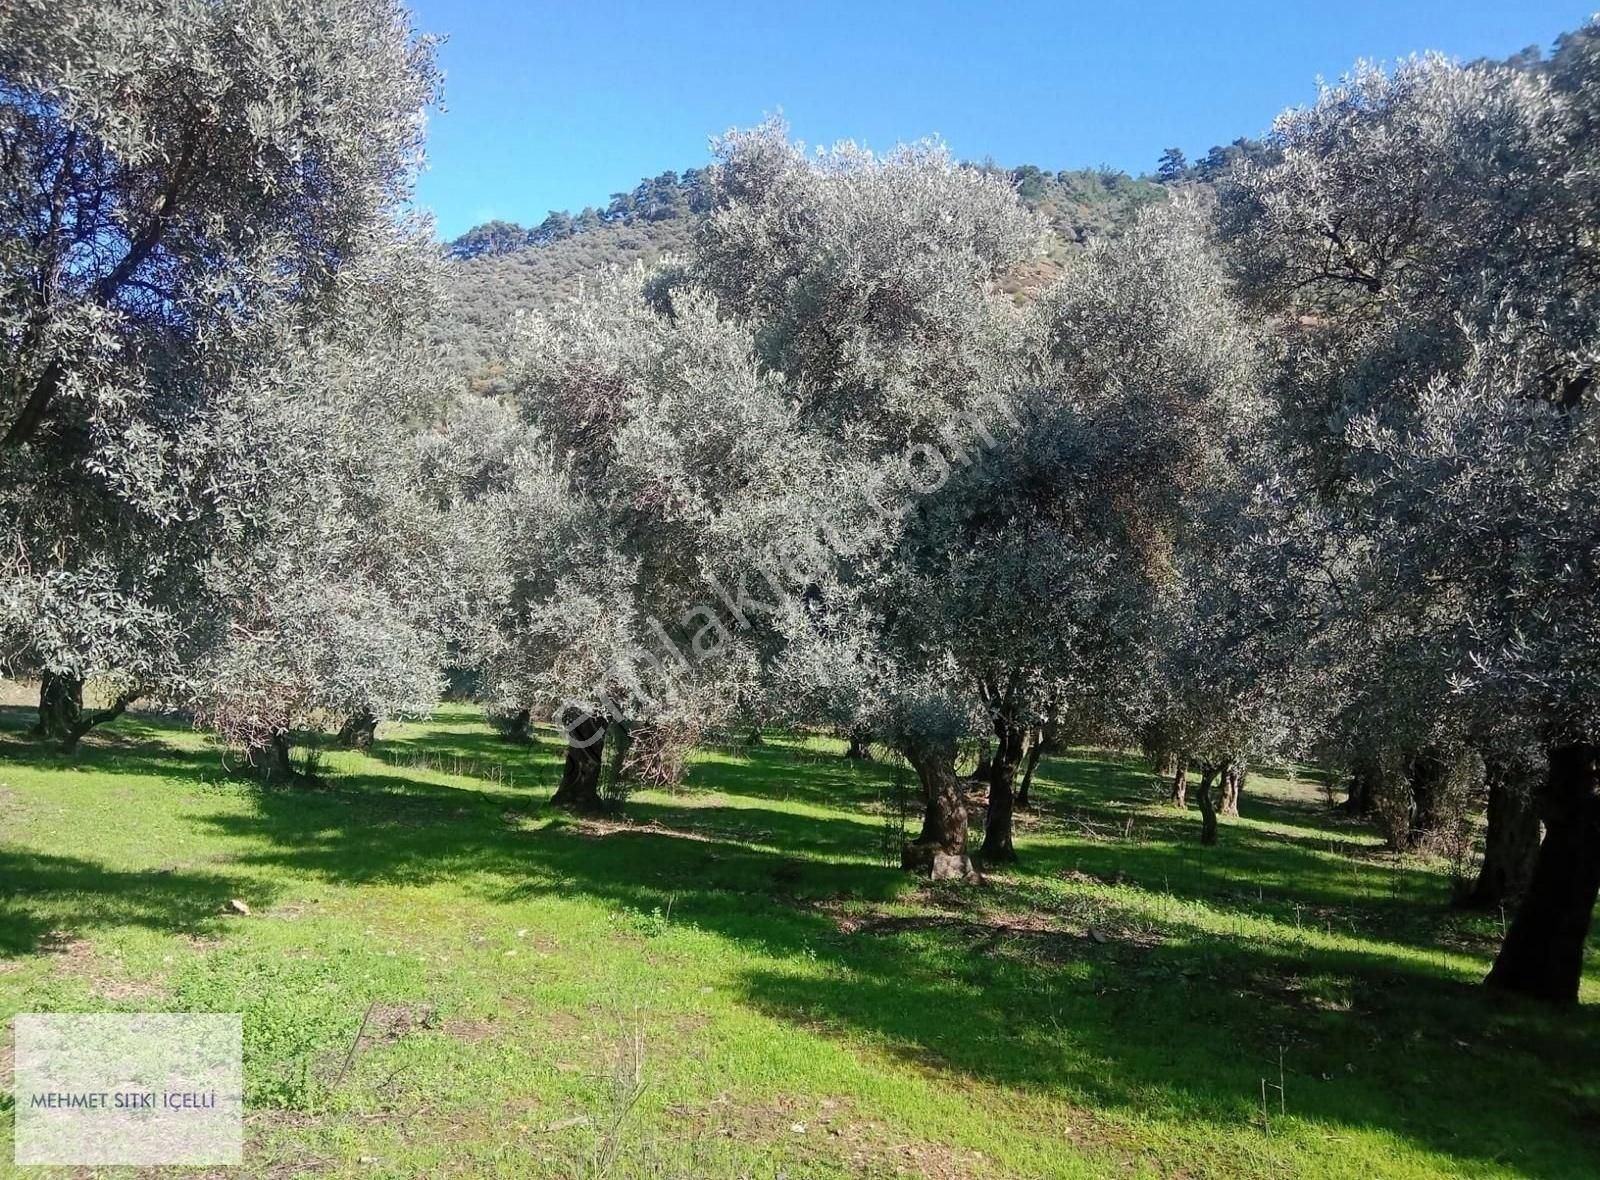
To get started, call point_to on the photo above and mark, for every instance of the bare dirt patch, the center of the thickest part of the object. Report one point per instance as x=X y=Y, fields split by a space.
x=74 y=957
x=833 y=1131
x=390 y=1022
x=1035 y=935
x=607 y=827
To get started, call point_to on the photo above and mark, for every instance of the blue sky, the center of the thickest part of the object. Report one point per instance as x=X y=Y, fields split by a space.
x=557 y=106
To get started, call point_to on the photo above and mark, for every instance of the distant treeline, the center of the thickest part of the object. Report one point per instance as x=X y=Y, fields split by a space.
x=657 y=198
x=674 y=195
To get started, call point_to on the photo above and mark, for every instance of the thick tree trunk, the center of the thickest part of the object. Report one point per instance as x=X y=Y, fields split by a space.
x=1232 y=787
x=940 y=851
x=1542 y=956
x=1359 y=799
x=1208 y=807
x=985 y=767
x=1511 y=844
x=860 y=741
x=359 y=730
x=997 y=844
x=580 y=776
x=60 y=705
x=1429 y=773
x=1180 y=781
x=62 y=717
x=272 y=762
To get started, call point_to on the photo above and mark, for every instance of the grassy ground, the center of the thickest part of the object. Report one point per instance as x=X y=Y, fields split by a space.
x=730 y=983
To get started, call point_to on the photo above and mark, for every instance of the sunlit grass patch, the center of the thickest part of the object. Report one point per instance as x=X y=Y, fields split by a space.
x=439 y=975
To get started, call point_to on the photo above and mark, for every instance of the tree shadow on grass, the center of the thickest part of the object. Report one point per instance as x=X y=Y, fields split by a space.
x=534 y=763
x=1175 y=1023
x=1313 y=873
x=790 y=772
x=47 y=896
x=1187 y=1029
x=1166 y=1019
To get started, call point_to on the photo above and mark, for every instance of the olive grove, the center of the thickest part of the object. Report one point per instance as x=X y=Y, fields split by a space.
x=1425 y=240
x=1300 y=465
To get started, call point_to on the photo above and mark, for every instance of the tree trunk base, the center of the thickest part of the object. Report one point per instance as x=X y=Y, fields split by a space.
x=1542 y=957
x=940 y=851
x=1511 y=844
x=274 y=765
x=1180 y=782
x=359 y=731
x=1232 y=787
x=1429 y=776
x=62 y=717
x=997 y=823
x=1208 y=810
x=936 y=863
x=998 y=852
x=859 y=750
x=580 y=775
x=515 y=726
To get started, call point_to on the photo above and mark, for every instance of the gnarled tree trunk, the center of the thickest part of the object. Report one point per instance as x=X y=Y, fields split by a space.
x=359 y=730
x=62 y=717
x=1208 y=806
x=1232 y=787
x=997 y=844
x=1511 y=843
x=580 y=775
x=860 y=741
x=940 y=851
x=1542 y=956
x=1429 y=774
x=1035 y=749
x=60 y=704
x=1180 y=781
x=271 y=760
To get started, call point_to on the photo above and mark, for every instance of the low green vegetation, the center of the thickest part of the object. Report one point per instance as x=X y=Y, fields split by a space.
x=441 y=976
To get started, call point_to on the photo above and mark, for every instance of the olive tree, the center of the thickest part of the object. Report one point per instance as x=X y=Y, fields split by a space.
x=328 y=589
x=867 y=283
x=172 y=175
x=1047 y=562
x=1426 y=239
x=658 y=464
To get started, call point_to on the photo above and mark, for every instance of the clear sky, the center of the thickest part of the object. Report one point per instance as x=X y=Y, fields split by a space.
x=557 y=106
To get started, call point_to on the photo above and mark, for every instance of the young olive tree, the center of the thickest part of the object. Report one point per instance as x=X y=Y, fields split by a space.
x=172 y=175
x=1230 y=683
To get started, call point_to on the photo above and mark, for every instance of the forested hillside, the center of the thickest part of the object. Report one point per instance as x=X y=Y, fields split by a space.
x=500 y=267
x=481 y=293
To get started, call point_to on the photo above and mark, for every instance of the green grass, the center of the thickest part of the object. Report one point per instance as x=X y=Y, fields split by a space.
x=733 y=985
